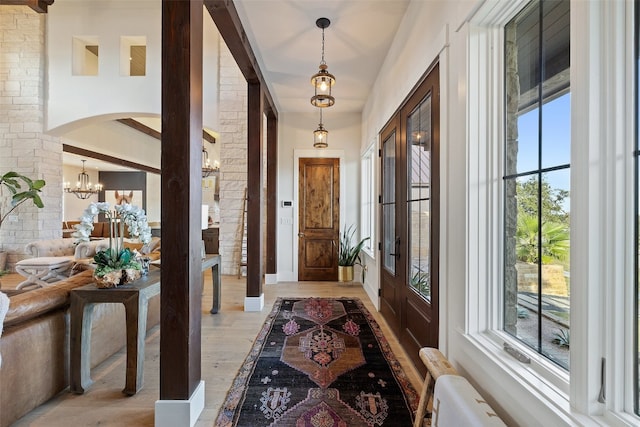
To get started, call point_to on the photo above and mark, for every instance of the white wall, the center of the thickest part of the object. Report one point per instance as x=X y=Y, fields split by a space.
x=73 y=98
x=82 y=109
x=110 y=94
x=295 y=140
x=153 y=197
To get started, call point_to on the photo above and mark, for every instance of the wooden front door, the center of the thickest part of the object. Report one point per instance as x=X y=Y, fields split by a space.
x=319 y=219
x=410 y=212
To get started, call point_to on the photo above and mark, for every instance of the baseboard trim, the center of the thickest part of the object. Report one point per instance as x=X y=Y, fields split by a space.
x=287 y=276
x=270 y=279
x=171 y=413
x=254 y=303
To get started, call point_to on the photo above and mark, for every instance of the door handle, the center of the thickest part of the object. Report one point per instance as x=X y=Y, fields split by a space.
x=300 y=234
x=397 y=247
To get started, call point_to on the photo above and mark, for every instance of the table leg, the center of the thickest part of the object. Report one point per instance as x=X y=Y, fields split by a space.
x=80 y=359
x=33 y=276
x=215 y=278
x=136 y=309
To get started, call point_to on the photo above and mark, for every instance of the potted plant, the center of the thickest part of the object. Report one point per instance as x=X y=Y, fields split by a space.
x=348 y=254
x=115 y=265
x=21 y=189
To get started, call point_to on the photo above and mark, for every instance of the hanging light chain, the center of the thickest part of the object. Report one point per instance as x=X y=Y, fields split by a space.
x=322 y=61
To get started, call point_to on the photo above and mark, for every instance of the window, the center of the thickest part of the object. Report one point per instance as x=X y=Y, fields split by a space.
x=368 y=199
x=600 y=383
x=536 y=179
x=133 y=55
x=85 y=56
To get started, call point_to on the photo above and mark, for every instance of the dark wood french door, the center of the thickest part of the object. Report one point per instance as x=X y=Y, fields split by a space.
x=410 y=218
x=319 y=219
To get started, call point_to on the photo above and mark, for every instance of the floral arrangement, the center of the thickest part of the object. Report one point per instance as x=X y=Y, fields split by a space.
x=115 y=264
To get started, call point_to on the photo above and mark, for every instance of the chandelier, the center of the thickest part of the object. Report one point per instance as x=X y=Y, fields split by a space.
x=83 y=189
x=320 y=135
x=207 y=169
x=323 y=80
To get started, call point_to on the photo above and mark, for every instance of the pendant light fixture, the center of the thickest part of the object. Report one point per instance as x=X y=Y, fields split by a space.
x=320 y=135
x=323 y=80
x=207 y=169
x=83 y=189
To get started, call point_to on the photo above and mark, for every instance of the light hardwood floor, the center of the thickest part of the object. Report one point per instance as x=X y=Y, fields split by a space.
x=226 y=340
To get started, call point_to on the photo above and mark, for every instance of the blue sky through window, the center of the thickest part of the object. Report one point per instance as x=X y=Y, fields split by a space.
x=556 y=140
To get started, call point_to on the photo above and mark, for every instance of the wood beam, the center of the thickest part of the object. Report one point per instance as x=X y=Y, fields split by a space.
x=226 y=18
x=272 y=194
x=208 y=137
x=39 y=6
x=109 y=159
x=254 y=190
x=134 y=124
x=181 y=193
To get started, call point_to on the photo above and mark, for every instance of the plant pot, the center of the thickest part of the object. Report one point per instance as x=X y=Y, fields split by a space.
x=117 y=278
x=345 y=273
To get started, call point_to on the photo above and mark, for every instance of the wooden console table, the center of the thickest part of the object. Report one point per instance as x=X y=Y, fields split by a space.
x=135 y=298
x=213 y=262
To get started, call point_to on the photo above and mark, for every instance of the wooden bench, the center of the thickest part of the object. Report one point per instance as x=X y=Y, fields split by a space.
x=449 y=399
x=436 y=365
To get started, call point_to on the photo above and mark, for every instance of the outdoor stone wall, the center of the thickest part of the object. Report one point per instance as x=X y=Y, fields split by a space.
x=553 y=280
x=233 y=158
x=24 y=147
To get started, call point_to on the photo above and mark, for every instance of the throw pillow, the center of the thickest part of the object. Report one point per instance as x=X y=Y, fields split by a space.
x=4 y=307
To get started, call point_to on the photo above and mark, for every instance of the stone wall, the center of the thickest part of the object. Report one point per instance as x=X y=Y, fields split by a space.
x=553 y=279
x=24 y=147
x=233 y=158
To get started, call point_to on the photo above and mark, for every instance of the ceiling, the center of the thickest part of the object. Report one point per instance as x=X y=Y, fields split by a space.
x=92 y=164
x=288 y=46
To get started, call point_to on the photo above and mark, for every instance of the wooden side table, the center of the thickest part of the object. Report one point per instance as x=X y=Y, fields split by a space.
x=135 y=298
x=213 y=261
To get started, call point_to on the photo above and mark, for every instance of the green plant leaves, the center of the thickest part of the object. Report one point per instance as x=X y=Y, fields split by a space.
x=108 y=260
x=349 y=253
x=14 y=182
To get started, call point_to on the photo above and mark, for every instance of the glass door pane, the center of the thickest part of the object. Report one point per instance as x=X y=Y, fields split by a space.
x=419 y=200
x=389 y=203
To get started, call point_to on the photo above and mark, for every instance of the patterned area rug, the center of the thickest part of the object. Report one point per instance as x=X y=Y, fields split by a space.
x=319 y=363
